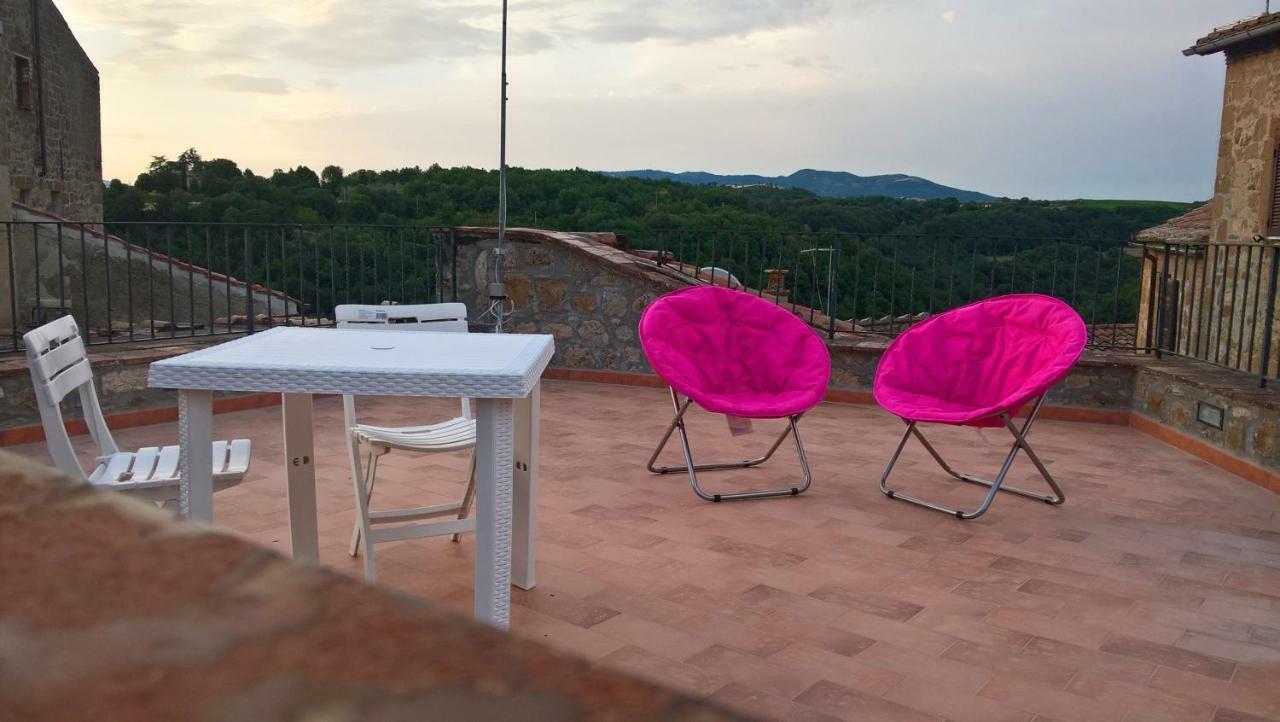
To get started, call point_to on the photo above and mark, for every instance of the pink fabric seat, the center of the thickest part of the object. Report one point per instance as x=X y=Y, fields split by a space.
x=733 y=353
x=970 y=364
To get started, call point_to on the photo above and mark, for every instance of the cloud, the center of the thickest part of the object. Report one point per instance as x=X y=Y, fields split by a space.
x=949 y=16
x=236 y=83
x=680 y=21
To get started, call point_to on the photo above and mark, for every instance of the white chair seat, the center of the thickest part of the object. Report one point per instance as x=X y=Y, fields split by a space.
x=154 y=467
x=451 y=435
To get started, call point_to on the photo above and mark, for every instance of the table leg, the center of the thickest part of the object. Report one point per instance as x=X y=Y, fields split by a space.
x=300 y=469
x=493 y=511
x=195 y=456
x=524 y=515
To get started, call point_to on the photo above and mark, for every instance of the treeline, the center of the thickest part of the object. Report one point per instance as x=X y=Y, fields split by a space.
x=908 y=255
x=190 y=188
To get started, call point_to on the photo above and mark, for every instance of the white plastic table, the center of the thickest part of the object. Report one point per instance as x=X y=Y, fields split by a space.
x=501 y=372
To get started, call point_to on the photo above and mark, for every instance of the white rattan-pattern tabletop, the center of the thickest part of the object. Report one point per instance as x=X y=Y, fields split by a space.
x=363 y=362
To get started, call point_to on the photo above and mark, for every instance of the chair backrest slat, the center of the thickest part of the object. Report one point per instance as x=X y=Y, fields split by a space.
x=431 y=317
x=59 y=364
x=448 y=317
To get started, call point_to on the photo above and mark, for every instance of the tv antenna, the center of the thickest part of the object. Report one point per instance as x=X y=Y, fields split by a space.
x=497 y=287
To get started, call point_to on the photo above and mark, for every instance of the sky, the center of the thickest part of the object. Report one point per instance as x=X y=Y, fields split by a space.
x=1037 y=98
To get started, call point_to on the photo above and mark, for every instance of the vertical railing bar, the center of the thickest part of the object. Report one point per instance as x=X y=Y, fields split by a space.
x=1115 y=304
x=1053 y=272
x=266 y=270
x=208 y=257
x=35 y=253
x=1220 y=298
x=84 y=286
x=128 y=275
x=11 y=240
x=1097 y=279
x=62 y=278
x=995 y=261
x=1235 y=293
x=1243 y=304
x=1257 y=294
x=151 y=286
x=875 y=284
x=168 y=250
x=191 y=284
x=1197 y=297
x=226 y=274
x=1013 y=273
x=106 y=279
x=1269 y=314
x=833 y=283
x=250 y=315
x=284 y=274
x=893 y=287
x=1075 y=274
x=453 y=239
x=933 y=275
x=1212 y=298
x=973 y=268
x=333 y=279
x=796 y=256
x=1164 y=282
x=315 y=275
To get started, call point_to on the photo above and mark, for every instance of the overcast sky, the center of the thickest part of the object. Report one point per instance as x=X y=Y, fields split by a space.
x=1040 y=98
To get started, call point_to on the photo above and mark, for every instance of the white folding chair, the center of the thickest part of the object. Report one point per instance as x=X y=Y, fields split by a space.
x=58 y=364
x=375 y=441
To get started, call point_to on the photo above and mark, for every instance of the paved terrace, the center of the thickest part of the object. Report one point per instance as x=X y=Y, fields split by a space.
x=1153 y=594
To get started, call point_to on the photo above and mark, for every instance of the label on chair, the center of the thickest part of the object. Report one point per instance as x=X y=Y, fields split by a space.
x=738 y=426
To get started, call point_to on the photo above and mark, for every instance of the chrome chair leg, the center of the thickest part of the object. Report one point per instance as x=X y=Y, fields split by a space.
x=993 y=485
x=677 y=424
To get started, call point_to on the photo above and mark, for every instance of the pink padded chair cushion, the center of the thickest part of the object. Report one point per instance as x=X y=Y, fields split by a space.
x=972 y=363
x=734 y=353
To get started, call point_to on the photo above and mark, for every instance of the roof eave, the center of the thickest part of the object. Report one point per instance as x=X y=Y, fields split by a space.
x=1210 y=47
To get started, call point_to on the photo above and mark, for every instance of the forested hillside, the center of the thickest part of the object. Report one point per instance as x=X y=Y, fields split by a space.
x=887 y=256
x=193 y=189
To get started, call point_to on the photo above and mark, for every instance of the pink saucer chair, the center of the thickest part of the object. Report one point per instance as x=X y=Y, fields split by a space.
x=978 y=365
x=735 y=354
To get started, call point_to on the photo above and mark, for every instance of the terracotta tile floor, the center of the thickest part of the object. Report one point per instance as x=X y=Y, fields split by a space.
x=1153 y=594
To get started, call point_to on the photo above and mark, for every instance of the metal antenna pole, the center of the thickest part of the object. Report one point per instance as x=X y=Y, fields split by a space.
x=497 y=288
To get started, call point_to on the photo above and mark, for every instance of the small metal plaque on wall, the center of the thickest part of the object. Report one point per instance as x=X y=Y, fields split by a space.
x=1209 y=415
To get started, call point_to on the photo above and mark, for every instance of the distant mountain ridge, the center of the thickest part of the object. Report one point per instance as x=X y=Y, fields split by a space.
x=832 y=184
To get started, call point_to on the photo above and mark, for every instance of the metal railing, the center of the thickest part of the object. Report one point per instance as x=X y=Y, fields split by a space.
x=142 y=281
x=881 y=284
x=1214 y=302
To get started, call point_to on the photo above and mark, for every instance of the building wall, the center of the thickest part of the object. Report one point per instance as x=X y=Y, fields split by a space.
x=53 y=151
x=1222 y=300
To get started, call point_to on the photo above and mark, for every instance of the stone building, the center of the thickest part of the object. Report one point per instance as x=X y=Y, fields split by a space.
x=1217 y=272
x=50 y=124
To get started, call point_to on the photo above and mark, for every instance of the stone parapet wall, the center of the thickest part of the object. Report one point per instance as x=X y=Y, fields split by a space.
x=1170 y=392
x=589 y=295
x=136 y=616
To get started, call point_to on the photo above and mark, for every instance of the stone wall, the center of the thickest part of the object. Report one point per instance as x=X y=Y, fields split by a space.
x=120 y=375
x=137 y=616
x=54 y=148
x=584 y=292
x=1169 y=393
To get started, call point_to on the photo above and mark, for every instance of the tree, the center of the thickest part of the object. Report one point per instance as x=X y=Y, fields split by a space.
x=331 y=177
